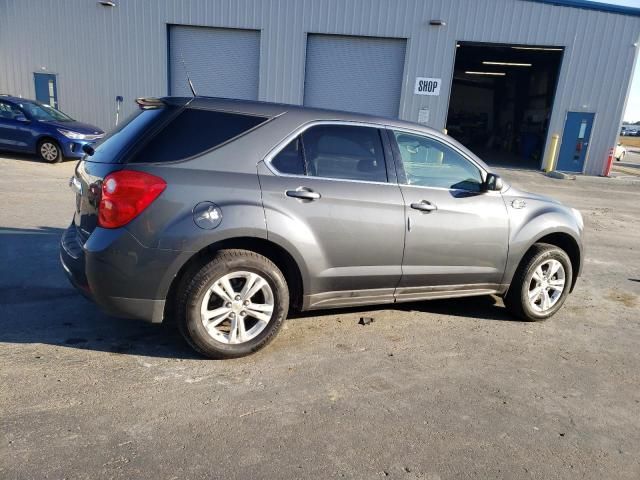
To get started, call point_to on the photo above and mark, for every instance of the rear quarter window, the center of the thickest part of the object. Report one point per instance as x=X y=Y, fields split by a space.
x=193 y=132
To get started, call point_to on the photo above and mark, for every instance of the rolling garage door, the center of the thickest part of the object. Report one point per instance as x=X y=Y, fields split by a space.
x=222 y=62
x=360 y=74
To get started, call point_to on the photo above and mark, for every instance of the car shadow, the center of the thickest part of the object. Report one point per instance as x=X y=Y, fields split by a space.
x=39 y=306
x=29 y=157
x=486 y=307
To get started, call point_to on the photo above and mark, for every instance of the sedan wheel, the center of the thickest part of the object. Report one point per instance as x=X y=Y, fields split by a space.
x=49 y=152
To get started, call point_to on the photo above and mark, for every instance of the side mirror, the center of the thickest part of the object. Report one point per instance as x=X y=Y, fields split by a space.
x=21 y=118
x=493 y=182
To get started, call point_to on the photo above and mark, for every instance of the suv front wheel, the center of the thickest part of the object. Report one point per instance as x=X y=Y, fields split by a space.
x=541 y=283
x=234 y=305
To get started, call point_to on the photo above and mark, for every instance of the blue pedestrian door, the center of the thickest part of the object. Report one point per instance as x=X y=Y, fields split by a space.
x=575 y=141
x=46 y=88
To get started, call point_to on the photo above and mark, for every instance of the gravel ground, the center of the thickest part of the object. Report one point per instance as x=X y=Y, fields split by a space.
x=434 y=390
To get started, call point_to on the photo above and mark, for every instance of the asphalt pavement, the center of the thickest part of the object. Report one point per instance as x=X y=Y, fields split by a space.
x=431 y=390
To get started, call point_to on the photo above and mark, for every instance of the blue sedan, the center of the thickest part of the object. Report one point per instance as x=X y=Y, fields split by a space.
x=33 y=127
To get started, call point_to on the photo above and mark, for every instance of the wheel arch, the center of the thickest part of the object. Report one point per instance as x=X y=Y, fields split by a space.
x=47 y=136
x=566 y=242
x=286 y=262
x=563 y=240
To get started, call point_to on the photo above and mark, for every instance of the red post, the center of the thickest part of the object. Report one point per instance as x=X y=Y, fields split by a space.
x=607 y=168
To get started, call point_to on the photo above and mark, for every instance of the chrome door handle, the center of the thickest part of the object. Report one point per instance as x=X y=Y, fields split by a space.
x=303 y=193
x=424 y=206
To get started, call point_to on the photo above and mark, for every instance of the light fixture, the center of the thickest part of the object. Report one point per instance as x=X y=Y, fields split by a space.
x=457 y=45
x=437 y=23
x=546 y=49
x=508 y=64
x=107 y=3
x=493 y=74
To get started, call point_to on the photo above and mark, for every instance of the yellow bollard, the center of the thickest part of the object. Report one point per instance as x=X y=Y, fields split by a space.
x=552 y=152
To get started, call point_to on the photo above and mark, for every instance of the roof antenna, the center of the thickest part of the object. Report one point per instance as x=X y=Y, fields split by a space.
x=193 y=89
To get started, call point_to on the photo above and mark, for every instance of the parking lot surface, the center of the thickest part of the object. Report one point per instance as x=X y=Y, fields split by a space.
x=434 y=390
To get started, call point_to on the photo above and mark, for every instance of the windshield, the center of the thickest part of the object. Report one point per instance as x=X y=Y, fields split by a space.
x=40 y=111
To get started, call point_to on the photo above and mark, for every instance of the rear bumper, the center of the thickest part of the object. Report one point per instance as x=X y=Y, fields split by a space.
x=113 y=270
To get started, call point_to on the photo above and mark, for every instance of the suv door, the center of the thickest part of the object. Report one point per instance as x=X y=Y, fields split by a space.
x=329 y=196
x=457 y=234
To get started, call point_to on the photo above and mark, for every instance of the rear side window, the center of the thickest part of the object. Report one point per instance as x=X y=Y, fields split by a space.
x=9 y=112
x=290 y=160
x=345 y=152
x=193 y=132
x=335 y=151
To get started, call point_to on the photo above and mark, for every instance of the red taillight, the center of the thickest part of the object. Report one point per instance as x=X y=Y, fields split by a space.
x=125 y=194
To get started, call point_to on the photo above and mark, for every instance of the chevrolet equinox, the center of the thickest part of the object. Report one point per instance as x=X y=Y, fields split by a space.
x=226 y=214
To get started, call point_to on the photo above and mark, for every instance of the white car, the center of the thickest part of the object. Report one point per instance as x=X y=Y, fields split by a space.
x=620 y=152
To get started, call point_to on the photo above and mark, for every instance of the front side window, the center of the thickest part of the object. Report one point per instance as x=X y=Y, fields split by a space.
x=430 y=163
x=335 y=151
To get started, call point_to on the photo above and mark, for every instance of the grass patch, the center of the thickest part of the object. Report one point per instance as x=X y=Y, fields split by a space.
x=630 y=141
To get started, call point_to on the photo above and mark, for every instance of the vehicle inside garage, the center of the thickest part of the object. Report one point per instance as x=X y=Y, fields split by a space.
x=501 y=101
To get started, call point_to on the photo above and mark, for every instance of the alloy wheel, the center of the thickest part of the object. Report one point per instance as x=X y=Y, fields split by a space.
x=546 y=285
x=237 y=307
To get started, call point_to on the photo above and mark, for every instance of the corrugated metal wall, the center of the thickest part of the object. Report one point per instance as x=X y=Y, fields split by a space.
x=100 y=52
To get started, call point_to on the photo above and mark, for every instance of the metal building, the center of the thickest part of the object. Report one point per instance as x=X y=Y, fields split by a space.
x=501 y=75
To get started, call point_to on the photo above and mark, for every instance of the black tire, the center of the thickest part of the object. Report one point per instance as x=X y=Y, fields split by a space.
x=198 y=282
x=517 y=298
x=45 y=148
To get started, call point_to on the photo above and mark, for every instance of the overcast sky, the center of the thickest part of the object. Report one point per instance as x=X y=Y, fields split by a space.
x=632 y=113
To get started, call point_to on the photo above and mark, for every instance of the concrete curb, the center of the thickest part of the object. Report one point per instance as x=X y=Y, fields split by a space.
x=560 y=175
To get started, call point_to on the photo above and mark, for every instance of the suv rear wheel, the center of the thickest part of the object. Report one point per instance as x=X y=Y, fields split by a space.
x=234 y=305
x=541 y=284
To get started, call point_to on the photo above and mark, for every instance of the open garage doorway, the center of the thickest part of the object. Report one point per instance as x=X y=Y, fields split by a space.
x=501 y=101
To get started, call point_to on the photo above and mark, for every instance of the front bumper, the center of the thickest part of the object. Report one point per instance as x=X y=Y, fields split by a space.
x=112 y=269
x=73 y=148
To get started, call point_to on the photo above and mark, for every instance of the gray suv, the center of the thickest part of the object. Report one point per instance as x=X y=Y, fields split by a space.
x=226 y=214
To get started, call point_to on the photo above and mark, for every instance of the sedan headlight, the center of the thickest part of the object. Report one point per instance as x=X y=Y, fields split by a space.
x=579 y=219
x=78 y=136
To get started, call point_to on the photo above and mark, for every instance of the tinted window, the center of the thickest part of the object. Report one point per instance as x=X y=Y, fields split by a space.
x=290 y=159
x=9 y=112
x=345 y=152
x=118 y=141
x=429 y=163
x=193 y=132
